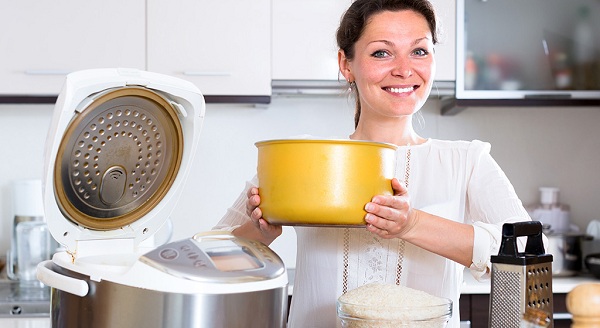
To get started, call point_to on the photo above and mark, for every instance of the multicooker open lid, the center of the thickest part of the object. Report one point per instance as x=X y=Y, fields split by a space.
x=118 y=152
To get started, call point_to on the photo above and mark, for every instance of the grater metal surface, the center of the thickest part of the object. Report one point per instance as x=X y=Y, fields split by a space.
x=520 y=280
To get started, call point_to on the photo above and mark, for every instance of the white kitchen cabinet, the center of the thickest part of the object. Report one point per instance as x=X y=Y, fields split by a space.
x=224 y=47
x=42 y=41
x=304 y=45
x=445 y=51
x=305 y=48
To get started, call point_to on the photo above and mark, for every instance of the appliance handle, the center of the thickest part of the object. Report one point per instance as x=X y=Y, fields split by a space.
x=56 y=280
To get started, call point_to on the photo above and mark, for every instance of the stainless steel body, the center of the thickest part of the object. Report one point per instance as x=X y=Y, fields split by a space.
x=211 y=280
x=109 y=305
x=520 y=280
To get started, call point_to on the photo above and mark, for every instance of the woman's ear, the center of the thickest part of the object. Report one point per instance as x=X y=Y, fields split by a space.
x=344 y=65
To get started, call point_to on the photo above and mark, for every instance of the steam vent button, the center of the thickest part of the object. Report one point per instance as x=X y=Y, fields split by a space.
x=169 y=254
x=113 y=185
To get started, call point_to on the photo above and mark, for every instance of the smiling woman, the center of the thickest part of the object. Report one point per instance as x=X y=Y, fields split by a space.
x=450 y=198
x=392 y=64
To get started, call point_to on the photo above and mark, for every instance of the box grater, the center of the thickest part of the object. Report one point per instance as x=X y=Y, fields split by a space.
x=520 y=280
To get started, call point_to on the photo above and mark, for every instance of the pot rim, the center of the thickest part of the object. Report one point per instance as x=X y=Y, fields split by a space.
x=326 y=141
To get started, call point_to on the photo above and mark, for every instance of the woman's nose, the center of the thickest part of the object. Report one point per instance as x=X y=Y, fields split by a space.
x=402 y=68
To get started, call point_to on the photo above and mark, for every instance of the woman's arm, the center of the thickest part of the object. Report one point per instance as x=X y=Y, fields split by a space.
x=393 y=217
x=450 y=239
x=491 y=202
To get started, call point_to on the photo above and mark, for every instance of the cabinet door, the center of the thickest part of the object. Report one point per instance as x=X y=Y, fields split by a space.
x=305 y=48
x=534 y=60
x=304 y=45
x=221 y=46
x=445 y=50
x=42 y=41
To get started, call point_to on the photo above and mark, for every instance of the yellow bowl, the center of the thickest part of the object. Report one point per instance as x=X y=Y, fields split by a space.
x=322 y=182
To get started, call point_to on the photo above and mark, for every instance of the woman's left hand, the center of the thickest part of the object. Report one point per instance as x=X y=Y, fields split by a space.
x=391 y=216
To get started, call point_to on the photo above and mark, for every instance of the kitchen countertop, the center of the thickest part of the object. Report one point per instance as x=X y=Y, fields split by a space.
x=560 y=285
x=23 y=306
x=470 y=286
x=25 y=322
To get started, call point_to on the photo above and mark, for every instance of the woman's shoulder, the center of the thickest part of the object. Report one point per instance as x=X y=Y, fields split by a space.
x=464 y=145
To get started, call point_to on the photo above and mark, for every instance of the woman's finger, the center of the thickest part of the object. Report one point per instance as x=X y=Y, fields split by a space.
x=380 y=232
x=383 y=224
x=256 y=214
x=399 y=188
x=253 y=200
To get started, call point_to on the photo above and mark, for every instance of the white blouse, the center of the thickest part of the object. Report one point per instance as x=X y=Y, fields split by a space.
x=457 y=180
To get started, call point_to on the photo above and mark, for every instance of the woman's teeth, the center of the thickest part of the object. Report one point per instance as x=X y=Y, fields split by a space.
x=400 y=90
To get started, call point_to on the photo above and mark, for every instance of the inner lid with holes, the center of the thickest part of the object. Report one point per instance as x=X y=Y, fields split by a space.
x=118 y=158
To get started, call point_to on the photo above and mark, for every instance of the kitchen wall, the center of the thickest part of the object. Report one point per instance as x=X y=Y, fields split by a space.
x=553 y=146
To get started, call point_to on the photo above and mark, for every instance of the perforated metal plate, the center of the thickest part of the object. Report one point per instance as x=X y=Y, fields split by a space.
x=118 y=158
x=516 y=288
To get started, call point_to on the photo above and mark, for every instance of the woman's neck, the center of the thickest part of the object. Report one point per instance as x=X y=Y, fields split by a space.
x=396 y=135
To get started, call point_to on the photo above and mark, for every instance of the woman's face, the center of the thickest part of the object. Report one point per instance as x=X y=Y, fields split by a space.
x=393 y=66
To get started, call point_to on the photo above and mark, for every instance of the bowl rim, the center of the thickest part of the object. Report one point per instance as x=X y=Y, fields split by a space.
x=446 y=315
x=445 y=303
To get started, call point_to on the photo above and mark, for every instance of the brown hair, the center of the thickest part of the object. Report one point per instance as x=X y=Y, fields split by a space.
x=356 y=17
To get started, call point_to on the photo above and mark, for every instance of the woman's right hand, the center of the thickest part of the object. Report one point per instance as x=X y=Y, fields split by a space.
x=267 y=231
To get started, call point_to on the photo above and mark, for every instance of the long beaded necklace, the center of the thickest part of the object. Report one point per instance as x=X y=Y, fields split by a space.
x=401 y=243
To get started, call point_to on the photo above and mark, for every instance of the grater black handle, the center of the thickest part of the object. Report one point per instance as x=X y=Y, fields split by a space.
x=530 y=229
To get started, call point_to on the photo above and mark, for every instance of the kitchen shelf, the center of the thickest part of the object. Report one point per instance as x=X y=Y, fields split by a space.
x=453 y=106
x=36 y=99
x=440 y=89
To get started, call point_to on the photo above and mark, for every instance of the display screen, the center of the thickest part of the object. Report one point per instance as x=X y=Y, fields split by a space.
x=233 y=259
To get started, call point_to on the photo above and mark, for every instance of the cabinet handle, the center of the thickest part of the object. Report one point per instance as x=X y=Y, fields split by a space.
x=206 y=73
x=47 y=72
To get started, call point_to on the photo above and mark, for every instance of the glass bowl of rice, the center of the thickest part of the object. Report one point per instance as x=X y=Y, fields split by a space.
x=378 y=305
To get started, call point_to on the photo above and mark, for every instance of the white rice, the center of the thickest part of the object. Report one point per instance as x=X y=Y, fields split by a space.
x=376 y=304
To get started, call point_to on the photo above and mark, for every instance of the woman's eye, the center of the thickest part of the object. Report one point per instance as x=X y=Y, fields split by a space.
x=421 y=52
x=380 y=54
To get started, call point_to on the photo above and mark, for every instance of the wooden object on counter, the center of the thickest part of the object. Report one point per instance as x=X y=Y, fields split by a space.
x=583 y=302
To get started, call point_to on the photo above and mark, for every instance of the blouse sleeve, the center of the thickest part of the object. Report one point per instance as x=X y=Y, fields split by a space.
x=491 y=202
x=236 y=214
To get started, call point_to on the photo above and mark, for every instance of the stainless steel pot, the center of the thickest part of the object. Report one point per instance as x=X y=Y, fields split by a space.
x=341 y=175
x=566 y=249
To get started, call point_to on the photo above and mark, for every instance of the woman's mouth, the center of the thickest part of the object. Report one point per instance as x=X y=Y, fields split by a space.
x=400 y=90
